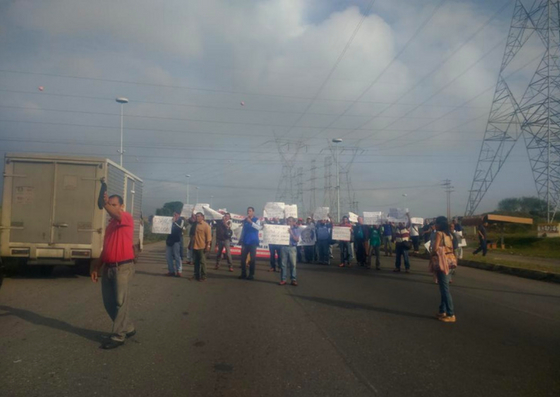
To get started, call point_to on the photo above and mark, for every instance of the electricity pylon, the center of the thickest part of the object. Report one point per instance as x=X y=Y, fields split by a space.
x=536 y=115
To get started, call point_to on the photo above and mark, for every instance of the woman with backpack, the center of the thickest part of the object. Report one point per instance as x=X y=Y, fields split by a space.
x=442 y=261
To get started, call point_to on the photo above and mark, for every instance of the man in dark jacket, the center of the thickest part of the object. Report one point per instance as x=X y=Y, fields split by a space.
x=223 y=240
x=361 y=241
x=173 y=246
x=249 y=242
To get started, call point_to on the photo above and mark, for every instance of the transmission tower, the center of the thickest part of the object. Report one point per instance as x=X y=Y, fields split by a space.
x=288 y=151
x=345 y=167
x=328 y=197
x=298 y=199
x=312 y=187
x=536 y=115
x=448 y=189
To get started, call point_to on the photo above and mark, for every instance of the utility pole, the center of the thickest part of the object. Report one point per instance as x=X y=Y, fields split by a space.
x=447 y=188
x=312 y=195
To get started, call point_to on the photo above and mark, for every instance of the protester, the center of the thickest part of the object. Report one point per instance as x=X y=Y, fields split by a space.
x=173 y=246
x=458 y=233
x=324 y=233
x=387 y=238
x=192 y=230
x=289 y=254
x=118 y=268
x=441 y=261
x=482 y=239
x=275 y=250
x=374 y=245
x=402 y=245
x=249 y=242
x=200 y=245
x=345 y=246
x=361 y=241
x=415 y=237
x=426 y=232
x=309 y=250
x=223 y=240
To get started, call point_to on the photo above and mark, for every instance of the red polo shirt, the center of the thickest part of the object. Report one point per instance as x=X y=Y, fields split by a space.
x=117 y=246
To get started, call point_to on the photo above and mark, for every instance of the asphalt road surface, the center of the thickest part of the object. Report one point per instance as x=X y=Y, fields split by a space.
x=341 y=332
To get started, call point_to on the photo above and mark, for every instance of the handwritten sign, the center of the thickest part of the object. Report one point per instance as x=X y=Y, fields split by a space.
x=307 y=235
x=162 y=224
x=187 y=210
x=341 y=233
x=373 y=218
x=321 y=213
x=417 y=221
x=397 y=215
x=352 y=217
x=211 y=215
x=276 y=234
x=290 y=211
x=273 y=210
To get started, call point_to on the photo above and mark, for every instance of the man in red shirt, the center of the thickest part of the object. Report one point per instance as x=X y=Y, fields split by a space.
x=117 y=258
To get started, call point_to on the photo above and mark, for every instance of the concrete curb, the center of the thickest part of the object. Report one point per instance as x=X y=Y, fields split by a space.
x=514 y=271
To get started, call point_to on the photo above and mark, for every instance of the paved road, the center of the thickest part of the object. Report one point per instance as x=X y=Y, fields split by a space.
x=341 y=332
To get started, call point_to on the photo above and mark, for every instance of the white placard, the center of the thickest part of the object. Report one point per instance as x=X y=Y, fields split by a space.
x=162 y=224
x=211 y=215
x=397 y=215
x=200 y=207
x=417 y=221
x=274 y=210
x=463 y=243
x=341 y=233
x=321 y=213
x=290 y=210
x=276 y=234
x=187 y=210
x=373 y=218
x=307 y=236
x=427 y=245
x=352 y=217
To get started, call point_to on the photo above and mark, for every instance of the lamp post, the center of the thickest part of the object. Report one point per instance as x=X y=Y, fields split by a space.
x=122 y=101
x=188 y=178
x=337 y=140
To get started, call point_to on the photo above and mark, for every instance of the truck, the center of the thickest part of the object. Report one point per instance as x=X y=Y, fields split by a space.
x=50 y=214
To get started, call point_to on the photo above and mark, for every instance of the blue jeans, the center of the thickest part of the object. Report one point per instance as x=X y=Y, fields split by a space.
x=446 y=305
x=483 y=247
x=174 y=253
x=323 y=248
x=345 y=252
x=401 y=252
x=289 y=254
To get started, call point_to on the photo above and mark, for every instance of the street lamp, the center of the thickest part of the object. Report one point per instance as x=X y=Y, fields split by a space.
x=337 y=140
x=122 y=101
x=188 y=178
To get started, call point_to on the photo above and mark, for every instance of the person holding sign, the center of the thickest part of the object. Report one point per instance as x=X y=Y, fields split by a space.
x=200 y=245
x=117 y=259
x=402 y=245
x=173 y=246
x=289 y=253
x=249 y=242
x=223 y=240
x=345 y=246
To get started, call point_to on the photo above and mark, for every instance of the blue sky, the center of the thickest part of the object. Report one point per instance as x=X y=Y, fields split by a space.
x=410 y=91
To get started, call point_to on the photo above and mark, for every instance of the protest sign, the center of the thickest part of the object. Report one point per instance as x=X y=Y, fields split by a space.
x=276 y=234
x=463 y=243
x=211 y=215
x=373 y=218
x=187 y=210
x=273 y=210
x=199 y=207
x=397 y=215
x=352 y=217
x=321 y=213
x=341 y=233
x=307 y=235
x=290 y=210
x=162 y=224
x=427 y=245
x=417 y=221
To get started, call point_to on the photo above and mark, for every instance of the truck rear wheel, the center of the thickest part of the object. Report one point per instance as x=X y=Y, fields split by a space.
x=82 y=267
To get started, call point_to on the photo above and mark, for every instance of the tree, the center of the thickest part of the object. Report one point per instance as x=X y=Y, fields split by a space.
x=509 y=205
x=533 y=206
x=169 y=208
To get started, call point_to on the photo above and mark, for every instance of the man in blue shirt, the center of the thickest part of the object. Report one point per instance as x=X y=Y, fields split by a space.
x=388 y=237
x=289 y=253
x=249 y=242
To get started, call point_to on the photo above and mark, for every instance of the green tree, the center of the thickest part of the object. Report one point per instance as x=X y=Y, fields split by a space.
x=509 y=205
x=533 y=206
x=169 y=208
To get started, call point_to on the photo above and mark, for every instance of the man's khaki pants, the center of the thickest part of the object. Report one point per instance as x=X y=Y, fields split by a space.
x=115 y=288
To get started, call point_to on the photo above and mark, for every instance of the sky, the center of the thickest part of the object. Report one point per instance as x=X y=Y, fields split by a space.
x=229 y=92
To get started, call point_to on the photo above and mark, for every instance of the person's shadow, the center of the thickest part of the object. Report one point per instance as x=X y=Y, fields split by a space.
x=37 y=319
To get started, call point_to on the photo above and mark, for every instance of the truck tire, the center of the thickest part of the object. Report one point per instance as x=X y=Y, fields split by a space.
x=46 y=271
x=82 y=267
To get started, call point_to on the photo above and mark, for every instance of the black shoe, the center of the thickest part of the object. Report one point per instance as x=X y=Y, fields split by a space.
x=250 y=278
x=130 y=334
x=242 y=277
x=111 y=344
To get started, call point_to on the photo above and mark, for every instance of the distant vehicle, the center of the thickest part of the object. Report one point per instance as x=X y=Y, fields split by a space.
x=49 y=208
